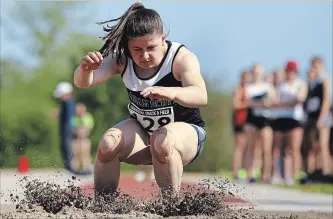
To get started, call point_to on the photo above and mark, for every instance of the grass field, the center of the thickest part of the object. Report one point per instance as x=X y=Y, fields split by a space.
x=315 y=187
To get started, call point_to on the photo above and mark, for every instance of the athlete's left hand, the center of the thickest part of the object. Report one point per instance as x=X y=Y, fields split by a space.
x=159 y=93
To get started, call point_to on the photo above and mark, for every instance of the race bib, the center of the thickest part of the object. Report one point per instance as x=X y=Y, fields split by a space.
x=153 y=119
x=313 y=104
x=261 y=112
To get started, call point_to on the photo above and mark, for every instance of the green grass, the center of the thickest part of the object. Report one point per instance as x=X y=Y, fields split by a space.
x=315 y=187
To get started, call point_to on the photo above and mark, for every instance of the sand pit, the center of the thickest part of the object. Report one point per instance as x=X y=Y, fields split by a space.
x=209 y=199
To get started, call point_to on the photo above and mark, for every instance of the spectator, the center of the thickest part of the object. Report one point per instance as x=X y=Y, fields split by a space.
x=83 y=124
x=317 y=129
x=260 y=95
x=278 y=138
x=289 y=109
x=64 y=92
x=239 y=119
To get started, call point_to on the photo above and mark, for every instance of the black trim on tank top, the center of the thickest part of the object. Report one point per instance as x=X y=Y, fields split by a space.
x=174 y=57
x=159 y=67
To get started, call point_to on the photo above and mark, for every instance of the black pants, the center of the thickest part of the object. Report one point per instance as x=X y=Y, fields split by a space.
x=66 y=150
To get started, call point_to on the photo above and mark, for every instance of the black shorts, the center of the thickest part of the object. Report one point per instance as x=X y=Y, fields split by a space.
x=258 y=122
x=285 y=124
x=239 y=128
x=311 y=135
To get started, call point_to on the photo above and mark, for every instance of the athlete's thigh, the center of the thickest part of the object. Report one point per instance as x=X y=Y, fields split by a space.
x=86 y=148
x=76 y=147
x=135 y=149
x=277 y=139
x=266 y=134
x=251 y=134
x=186 y=140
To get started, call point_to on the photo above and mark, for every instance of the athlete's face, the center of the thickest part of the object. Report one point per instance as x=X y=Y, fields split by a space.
x=148 y=51
x=312 y=74
x=246 y=78
x=258 y=73
x=291 y=74
x=81 y=109
x=279 y=76
x=318 y=68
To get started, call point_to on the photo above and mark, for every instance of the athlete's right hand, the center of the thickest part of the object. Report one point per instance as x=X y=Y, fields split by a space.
x=91 y=61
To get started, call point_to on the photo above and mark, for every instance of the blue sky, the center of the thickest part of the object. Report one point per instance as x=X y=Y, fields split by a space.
x=228 y=36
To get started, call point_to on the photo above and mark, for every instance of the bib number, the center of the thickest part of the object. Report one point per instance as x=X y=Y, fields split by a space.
x=151 y=120
x=313 y=104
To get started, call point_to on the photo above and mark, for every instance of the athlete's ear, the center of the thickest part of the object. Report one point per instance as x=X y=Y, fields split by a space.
x=163 y=38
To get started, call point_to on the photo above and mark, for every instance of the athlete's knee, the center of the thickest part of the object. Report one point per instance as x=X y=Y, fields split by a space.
x=163 y=142
x=110 y=145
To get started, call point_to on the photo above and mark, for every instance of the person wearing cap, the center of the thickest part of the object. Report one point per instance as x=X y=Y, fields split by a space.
x=288 y=107
x=64 y=92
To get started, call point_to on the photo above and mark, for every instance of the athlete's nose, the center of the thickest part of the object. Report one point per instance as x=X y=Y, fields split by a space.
x=145 y=55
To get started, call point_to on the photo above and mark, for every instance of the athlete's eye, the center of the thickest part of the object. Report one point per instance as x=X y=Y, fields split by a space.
x=151 y=48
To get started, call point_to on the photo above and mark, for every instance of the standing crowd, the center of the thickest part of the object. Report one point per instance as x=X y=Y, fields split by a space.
x=75 y=126
x=283 y=125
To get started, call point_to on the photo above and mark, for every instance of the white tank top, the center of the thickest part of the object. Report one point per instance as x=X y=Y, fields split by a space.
x=153 y=114
x=288 y=94
x=258 y=93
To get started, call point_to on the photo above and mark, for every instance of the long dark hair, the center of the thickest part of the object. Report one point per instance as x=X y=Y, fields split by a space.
x=137 y=21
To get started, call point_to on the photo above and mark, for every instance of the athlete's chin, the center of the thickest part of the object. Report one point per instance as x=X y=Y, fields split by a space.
x=147 y=65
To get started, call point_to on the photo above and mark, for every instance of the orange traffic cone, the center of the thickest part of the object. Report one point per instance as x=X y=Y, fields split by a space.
x=23 y=164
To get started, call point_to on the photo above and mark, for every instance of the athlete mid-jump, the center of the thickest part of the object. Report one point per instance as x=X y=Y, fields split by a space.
x=165 y=90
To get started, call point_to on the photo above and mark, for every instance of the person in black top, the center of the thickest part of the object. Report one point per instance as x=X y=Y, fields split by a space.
x=165 y=90
x=64 y=92
x=317 y=126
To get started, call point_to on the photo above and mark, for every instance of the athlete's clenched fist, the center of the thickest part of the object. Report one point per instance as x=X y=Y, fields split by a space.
x=91 y=61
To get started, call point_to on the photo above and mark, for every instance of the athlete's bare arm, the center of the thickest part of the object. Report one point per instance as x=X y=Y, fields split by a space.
x=94 y=70
x=325 y=107
x=237 y=103
x=300 y=98
x=186 y=69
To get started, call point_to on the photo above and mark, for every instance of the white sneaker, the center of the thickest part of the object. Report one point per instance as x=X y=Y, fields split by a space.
x=140 y=176
x=290 y=182
x=276 y=180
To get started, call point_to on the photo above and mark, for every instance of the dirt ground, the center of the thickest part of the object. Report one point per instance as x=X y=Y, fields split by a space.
x=8 y=211
x=50 y=200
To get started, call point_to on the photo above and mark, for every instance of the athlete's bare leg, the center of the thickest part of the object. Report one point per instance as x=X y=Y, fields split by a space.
x=277 y=145
x=76 y=150
x=86 y=153
x=295 y=138
x=124 y=142
x=324 y=136
x=172 y=146
x=239 y=152
x=266 y=135
x=251 y=135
